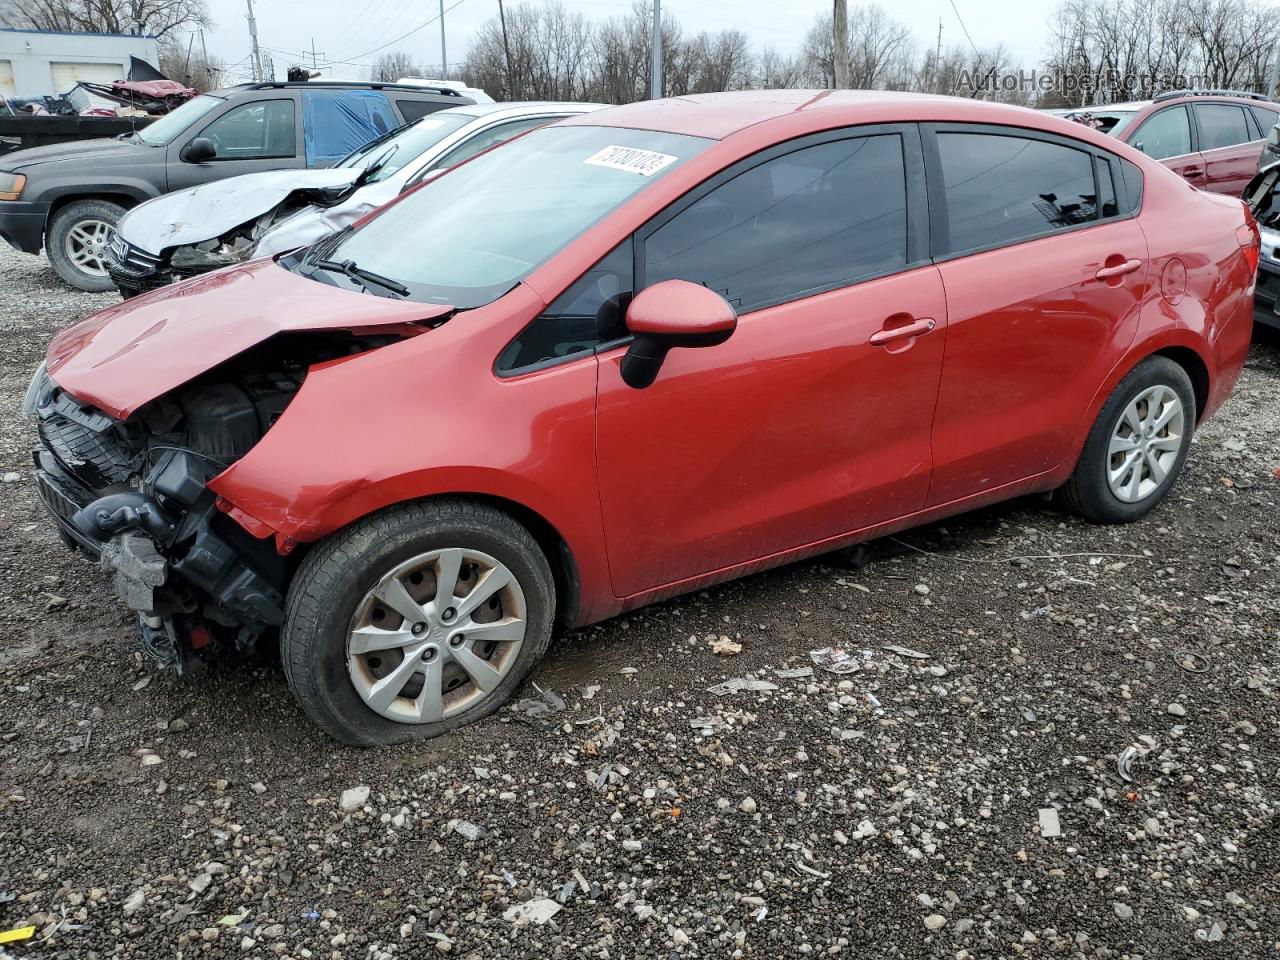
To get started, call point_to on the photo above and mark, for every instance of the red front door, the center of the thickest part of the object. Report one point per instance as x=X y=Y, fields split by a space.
x=795 y=430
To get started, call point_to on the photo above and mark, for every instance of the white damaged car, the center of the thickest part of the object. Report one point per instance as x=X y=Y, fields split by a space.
x=230 y=221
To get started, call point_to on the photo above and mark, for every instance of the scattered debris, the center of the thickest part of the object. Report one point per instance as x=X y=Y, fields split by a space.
x=837 y=660
x=751 y=684
x=550 y=703
x=794 y=673
x=1124 y=763
x=1049 y=825
x=1191 y=661
x=724 y=647
x=17 y=934
x=353 y=799
x=905 y=651
x=467 y=830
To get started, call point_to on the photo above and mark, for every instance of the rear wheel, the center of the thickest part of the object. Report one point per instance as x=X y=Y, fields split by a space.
x=1137 y=446
x=416 y=621
x=77 y=243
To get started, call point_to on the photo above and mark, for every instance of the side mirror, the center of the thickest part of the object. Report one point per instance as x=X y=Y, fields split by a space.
x=1139 y=146
x=674 y=313
x=199 y=150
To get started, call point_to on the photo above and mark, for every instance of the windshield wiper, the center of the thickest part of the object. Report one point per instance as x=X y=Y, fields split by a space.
x=361 y=275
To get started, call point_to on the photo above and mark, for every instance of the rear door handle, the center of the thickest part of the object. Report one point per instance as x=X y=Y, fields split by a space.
x=1119 y=270
x=1192 y=173
x=914 y=329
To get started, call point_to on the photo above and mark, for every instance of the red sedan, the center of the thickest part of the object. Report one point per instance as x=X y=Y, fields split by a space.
x=627 y=356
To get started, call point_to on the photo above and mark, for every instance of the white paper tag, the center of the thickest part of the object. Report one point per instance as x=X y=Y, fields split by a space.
x=631 y=159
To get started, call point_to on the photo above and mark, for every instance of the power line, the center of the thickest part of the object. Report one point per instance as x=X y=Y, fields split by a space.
x=956 y=11
x=407 y=33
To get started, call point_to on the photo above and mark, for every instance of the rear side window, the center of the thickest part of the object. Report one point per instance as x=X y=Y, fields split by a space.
x=1002 y=189
x=1221 y=125
x=1107 y=205
x=335 y=122
x=413 y=110
x=254 y=131
x=1132 y=177
x=811 y=220
x=1165 y=134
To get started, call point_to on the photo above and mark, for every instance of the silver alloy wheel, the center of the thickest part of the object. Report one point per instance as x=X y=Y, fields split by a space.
x=86 y=246
x=1145 y=443
x=436 y=635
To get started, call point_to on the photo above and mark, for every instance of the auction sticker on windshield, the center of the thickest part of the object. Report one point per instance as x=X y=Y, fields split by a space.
x=631 y=159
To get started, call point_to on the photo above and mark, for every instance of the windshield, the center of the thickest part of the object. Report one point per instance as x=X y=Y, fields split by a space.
x=405 y=145
x=467 y=237
x=164 y=130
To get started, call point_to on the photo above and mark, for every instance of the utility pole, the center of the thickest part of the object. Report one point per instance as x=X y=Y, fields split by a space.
x=937 y=57
x=655 y=75
x=506 y=49
x=444 y=54
x=840 y=45
x=256 y=62
x=313 y=55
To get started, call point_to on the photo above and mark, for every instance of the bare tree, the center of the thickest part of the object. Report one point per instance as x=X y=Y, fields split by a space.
x=188 y=63
x=157 y=18
x=879 y=50
x=391 y=66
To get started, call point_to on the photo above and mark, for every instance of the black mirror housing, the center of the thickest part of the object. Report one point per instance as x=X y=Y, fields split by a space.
x=199 y=150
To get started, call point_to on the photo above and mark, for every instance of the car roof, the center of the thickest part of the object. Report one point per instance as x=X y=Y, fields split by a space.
x=717 y=116
x=519 y=108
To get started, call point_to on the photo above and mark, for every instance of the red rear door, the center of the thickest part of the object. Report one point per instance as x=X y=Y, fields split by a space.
x=808 y=422
x=1229 y=147
x=1038 y=313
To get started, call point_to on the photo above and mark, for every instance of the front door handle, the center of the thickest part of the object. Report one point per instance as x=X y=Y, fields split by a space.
x=914 y=329
x=1119 y=270
x=1192 y=173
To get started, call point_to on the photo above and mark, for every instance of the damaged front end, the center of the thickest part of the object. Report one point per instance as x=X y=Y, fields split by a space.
x=182 y=235
x=134 y=493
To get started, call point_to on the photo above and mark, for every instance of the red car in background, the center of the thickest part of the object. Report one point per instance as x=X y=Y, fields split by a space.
x=626 y=356
x=1211 y=138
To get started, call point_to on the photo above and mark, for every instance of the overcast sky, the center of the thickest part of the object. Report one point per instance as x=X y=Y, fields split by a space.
x=350 y=30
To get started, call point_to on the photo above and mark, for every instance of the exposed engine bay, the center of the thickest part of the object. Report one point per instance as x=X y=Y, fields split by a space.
x=134 y=494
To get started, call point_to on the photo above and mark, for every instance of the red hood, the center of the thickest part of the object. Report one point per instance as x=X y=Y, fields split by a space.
x=123 y=356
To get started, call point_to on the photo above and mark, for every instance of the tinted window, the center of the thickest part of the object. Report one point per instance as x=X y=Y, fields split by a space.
x=807 y=221
x=165 y=129
x=1132 y=186
x=590 y=312
x=1266 y=118
x=252 y=131
x=335 y=122
x=411 y=110
x=1165 y=134
x=1221 y=125
x=487 y=138
x=1001 y=189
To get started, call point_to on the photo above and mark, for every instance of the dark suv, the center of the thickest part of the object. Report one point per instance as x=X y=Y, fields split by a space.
x=66 y=197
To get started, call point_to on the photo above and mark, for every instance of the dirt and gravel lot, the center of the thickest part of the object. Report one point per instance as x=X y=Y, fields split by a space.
x=904 y=810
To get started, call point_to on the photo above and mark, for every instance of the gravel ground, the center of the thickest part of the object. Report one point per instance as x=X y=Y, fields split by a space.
x=958 y=797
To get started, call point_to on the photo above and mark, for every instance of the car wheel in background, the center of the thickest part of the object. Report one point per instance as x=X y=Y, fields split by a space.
x=416 y=621
x=1137 y=447
x=77 y=243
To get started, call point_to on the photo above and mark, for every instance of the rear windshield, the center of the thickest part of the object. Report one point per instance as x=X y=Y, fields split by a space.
x=469 y=236
x=168 y=127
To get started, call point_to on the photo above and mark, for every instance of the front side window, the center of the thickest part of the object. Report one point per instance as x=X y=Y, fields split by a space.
x=254 y=131
x=466 y=238
x=1221 y=125
x=1166 y=134
x=166 y=129
x=591 y=312
x=1002 y=189
x=807 y=221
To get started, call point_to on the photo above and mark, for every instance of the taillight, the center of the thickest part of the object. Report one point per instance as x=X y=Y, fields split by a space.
x=1250 y=240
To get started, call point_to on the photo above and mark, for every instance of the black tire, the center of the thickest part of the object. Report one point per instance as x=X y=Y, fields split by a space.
x=340 y=571
x=1088 y=492
x=56 y=242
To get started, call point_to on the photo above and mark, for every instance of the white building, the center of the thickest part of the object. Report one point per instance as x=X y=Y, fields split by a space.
x=36 y=63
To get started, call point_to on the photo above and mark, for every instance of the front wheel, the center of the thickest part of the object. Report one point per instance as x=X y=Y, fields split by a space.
x=1137 y=446
x=416 y=621
x=77 y=243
